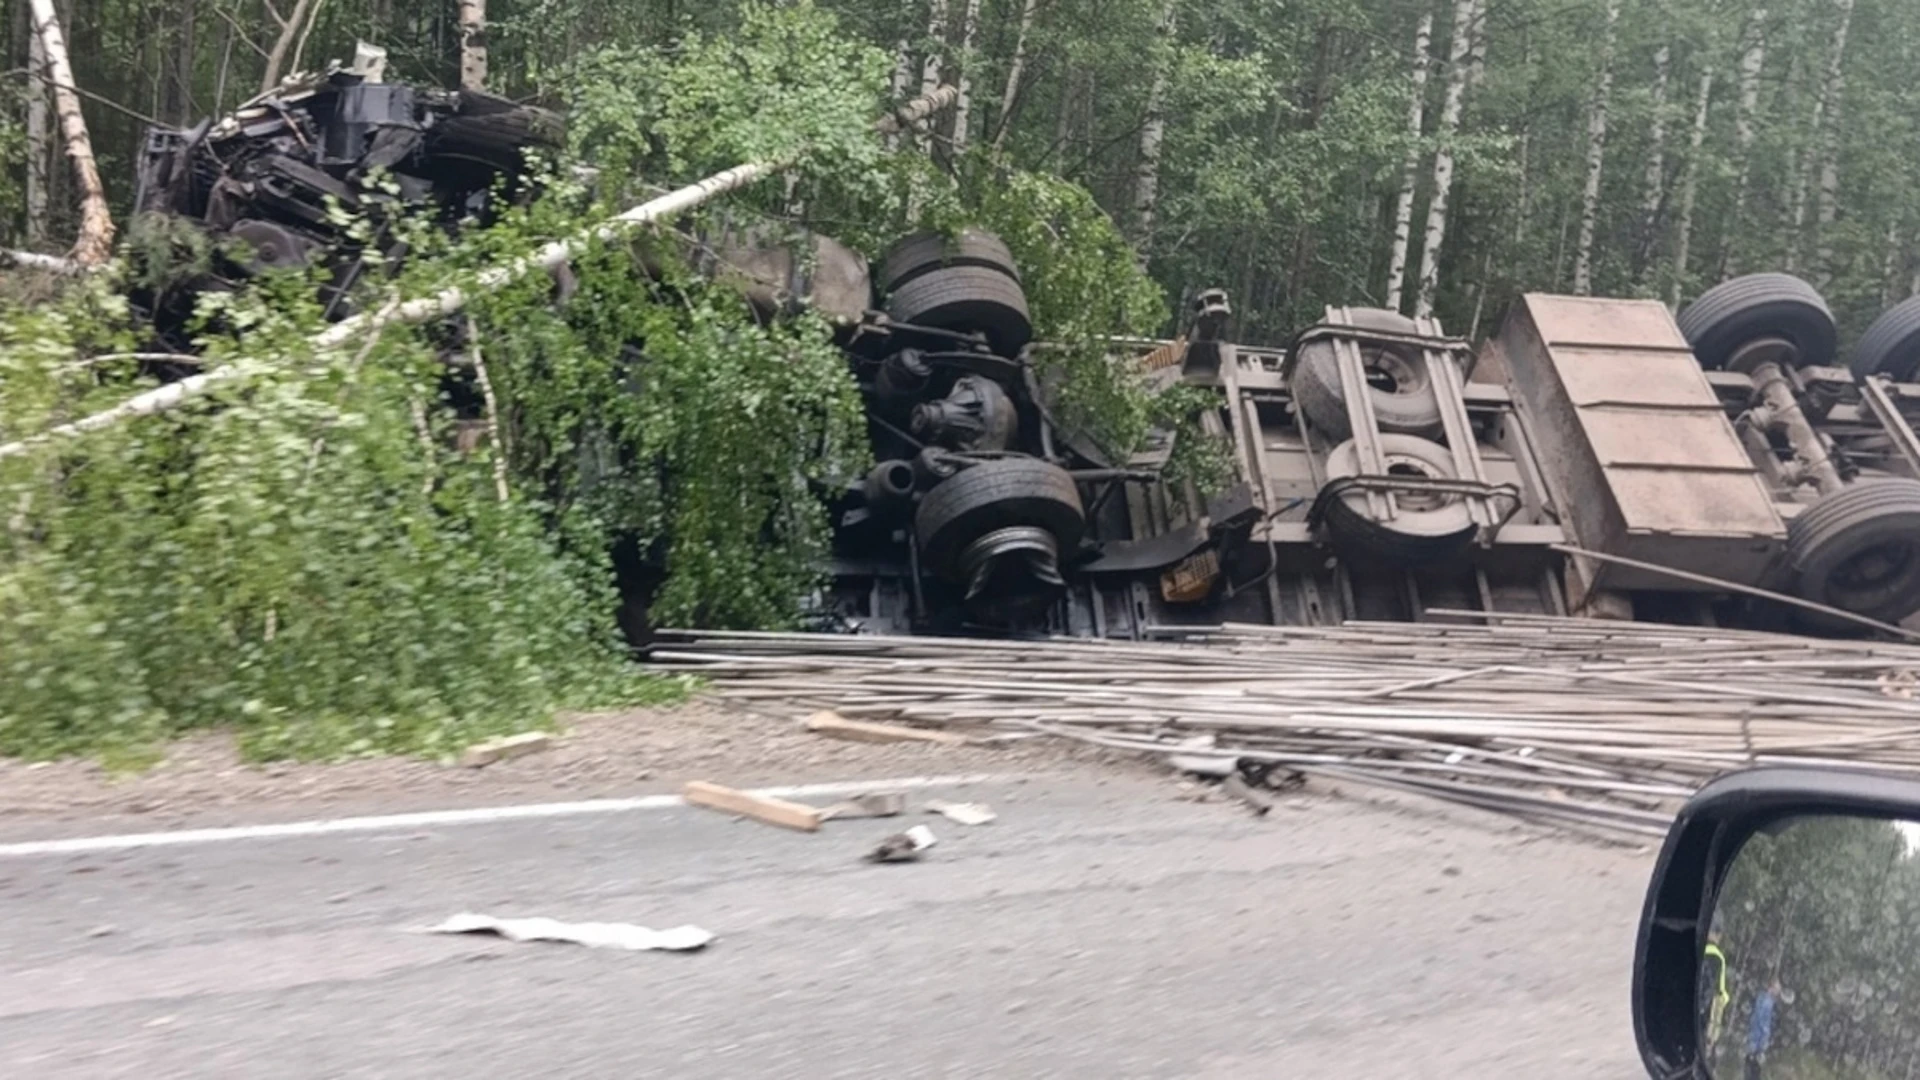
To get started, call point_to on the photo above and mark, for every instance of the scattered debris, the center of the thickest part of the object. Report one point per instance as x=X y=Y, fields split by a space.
x=594 y=935
x=1214 y=766
x=834 y=725
x=903 y=847
x=482 y=754
x=964 y=813
x=1582 y=724
x=791 y=815
x=1236 y=785
x=103 y=930
x=870 y=804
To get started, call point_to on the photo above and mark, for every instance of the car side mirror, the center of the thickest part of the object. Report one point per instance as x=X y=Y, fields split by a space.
x=1781 y=932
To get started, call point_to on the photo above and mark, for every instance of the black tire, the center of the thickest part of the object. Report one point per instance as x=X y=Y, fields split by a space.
x=1424 y=529
x=967 y=299
x=1736 y=313
x=922 y=252
x=498 y=139
x=991 y=495
x=1858 y=549
x=1404 y=399
x=1891 y=346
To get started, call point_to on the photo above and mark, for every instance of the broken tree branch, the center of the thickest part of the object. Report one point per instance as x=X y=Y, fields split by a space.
x=94 y=245
x=453 y=298
x=290 y=29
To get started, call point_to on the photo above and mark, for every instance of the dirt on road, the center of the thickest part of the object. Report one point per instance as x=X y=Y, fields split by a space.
x=203 y=778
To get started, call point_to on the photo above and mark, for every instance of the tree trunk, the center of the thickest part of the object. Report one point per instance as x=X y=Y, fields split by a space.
x=930 y=68
x=283 y=43
x=1146 y=179
x=1015 y=70
x=1463 y=16
x=94 y=244
x=1477 y=46
x=1656 y=182
x=897 y=87
x=1751 y=61
x=1829 y=144
x=1410 y=165
x=1690 y=186
x=180 y=104
x=39 y=142
x=473 y=44
x=963 y=104
x=1596 y=155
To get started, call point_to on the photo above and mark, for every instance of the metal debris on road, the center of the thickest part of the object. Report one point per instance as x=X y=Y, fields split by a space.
x=1578 y=723
x=594 y=935
x=963 y=813
x=1237 y=786
x=903 y=847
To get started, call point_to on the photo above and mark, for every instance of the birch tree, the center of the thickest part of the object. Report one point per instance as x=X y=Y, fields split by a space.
x=94 y=243
x=1596 y=156
x=1146 y=185
x=1015 y=69
x=1690 y=185
x=1753 y=59
x=1653 y=193
x=1410 y=167
x=1457 y=48
x=1831 y=92
x=473 y=44
x=930 y=67
x=963 y=81
x=39 y=143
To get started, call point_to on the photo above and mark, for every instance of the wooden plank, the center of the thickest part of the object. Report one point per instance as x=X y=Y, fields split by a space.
x=510 y=746
x=790 y=815
x=834 y=725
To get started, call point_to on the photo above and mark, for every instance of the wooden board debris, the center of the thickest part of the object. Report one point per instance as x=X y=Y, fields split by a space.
x=790 y=815
x=509 y=746
x=833 y=725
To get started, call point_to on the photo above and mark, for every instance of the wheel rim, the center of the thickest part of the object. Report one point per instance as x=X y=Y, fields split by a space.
x=1864 y=579
x=1390 y=373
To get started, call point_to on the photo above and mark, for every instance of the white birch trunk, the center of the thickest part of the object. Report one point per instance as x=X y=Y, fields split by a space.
x=1146 y=180
x=1829 y=143
x=94 y=244
x=1410 y=165
x=39 y=142
x=963 y=83
x=453 y=298
x=1690 y=186
x=936 y=46
x=1463 y=16
x=902 y=75
x=473 y=44
x=1752 y=60
x=1477 y=47
x=1015 y=70
x=1656 y=181
x=1596 y=157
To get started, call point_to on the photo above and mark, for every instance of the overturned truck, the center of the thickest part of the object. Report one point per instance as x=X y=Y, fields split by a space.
x=1596 y=457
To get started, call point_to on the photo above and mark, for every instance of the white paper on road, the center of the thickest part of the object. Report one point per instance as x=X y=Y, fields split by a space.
x=596 y=935
x=965 y=813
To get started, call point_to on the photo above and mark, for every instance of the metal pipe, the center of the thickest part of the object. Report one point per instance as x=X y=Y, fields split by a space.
x=1783 y=407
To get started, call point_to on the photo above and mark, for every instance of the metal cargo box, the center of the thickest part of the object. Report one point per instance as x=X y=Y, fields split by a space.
x=1637 y=449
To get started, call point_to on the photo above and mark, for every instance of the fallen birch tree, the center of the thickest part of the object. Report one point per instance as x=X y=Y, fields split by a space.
x=94 y=245
x=455 y=297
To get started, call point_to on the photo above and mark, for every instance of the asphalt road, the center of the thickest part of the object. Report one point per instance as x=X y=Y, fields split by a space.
x=1102 y=927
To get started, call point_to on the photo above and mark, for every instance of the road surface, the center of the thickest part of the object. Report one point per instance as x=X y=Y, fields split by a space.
x=1104 y=926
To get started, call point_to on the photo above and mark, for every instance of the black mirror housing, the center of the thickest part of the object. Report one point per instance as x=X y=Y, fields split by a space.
x=1700 y=847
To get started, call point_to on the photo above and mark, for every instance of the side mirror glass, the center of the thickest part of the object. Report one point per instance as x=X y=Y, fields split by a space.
x=1811 y=966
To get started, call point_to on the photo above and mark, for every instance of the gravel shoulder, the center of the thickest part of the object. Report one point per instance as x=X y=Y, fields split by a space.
x=202 y=780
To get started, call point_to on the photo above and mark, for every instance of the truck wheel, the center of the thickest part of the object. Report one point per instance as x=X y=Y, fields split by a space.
x=1404 y=400
x=967 y=299
x=1736 y=313
x=1425 y=528
x=922 y=252
x=1858 y=549
x=996 y=494
x=1891 y=346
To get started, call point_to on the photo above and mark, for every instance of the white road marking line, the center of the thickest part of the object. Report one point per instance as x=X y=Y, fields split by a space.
x=475 y=816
